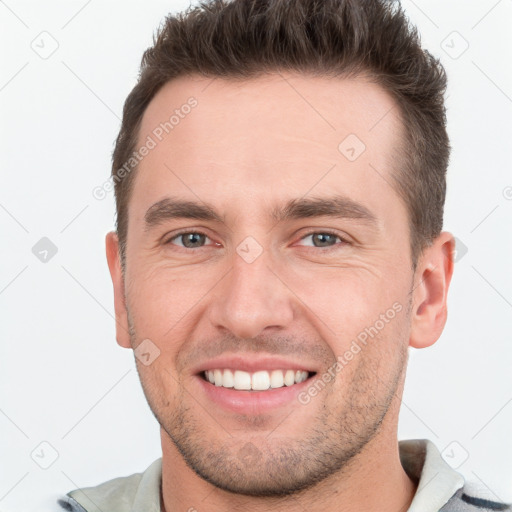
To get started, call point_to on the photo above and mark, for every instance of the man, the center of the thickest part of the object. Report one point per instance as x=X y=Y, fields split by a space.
x=280 y=183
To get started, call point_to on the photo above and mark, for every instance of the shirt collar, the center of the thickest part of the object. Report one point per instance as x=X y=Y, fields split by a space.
x=147 y=497
x=437 y=480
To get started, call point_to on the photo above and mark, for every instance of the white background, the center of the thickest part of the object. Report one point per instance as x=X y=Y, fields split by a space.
x=66 y=382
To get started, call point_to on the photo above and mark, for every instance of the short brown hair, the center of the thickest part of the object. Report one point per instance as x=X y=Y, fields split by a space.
x=246 y=38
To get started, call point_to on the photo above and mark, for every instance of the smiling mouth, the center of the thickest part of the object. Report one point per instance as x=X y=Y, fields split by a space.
x=261 y=380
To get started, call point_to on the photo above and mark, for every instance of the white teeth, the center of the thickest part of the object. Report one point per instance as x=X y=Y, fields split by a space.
x=242 y=380
x=276 y=379
x=289 y=377
x=260 y=380
x=257 y=381
x=228 y=379
x=303 y=376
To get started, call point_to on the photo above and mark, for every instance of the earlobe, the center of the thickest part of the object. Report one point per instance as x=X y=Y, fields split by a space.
x=114 y=265
x=432 y=280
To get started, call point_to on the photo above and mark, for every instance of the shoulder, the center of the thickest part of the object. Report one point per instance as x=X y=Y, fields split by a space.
x=470 y=499
x=118 y=494
x=69 y=504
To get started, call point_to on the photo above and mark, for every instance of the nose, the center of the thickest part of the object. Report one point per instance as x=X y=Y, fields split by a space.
x=251 y=298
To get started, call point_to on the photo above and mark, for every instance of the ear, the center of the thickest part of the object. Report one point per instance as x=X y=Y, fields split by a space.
x=432 y=279
x=114 y=265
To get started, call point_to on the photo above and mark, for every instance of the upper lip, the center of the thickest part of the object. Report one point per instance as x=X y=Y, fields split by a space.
x=252 y=364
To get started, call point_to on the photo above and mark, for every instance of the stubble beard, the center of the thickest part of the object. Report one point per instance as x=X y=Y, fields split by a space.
x=273 y=465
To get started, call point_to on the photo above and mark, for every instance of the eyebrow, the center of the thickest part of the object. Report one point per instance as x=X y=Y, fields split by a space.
x=337 y=206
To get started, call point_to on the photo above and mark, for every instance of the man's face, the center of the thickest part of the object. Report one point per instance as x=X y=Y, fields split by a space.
x=257 y=292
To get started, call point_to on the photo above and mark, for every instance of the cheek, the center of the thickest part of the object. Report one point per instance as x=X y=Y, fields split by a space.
x=160 y=387
x=346 y=301
x=361 y=316
x=341 y=302
x=161 y=298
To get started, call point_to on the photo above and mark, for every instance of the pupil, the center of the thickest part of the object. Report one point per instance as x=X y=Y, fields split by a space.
x=192 y=238
x=323 y=236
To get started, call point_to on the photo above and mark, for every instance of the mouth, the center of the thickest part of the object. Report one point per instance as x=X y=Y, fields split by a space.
x=261 y=380
x=252 y=393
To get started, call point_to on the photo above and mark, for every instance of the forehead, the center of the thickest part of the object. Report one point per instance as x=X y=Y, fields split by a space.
x=280 y=134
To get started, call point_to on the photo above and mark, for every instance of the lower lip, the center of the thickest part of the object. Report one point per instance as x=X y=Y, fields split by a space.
x=252 y=402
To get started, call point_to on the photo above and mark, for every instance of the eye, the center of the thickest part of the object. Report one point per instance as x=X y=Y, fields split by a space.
x=324 y=239
x=196 y=239
x=189 y=239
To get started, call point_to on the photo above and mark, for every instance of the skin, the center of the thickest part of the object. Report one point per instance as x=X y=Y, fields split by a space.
x=247 y=147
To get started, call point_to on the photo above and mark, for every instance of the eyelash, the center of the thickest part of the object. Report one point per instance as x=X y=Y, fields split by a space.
x=322 y=232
